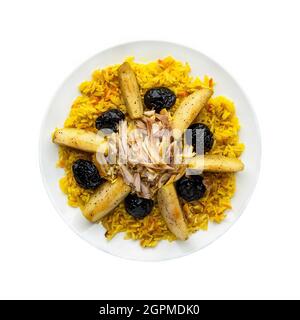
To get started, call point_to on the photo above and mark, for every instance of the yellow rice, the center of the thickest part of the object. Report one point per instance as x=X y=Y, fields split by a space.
x=102 y=93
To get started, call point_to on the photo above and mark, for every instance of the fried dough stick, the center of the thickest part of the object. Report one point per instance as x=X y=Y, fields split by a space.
x=216 y=163
x=171 y=211
x=190 y=108
x=79 y=139
x=106 y=198
x=130 y=91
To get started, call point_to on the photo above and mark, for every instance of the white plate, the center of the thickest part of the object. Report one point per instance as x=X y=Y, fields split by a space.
x=145 y=51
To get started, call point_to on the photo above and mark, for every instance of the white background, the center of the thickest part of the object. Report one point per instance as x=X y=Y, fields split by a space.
x=41 y=42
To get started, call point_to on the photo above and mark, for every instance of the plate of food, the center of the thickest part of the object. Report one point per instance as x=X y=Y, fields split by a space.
x=150 y=150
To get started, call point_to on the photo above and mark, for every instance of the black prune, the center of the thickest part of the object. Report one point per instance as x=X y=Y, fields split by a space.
x=191 y=188
x=138 y=207
x=110 y=119
x=86 y=174
x=201 y=138
x=159 y=98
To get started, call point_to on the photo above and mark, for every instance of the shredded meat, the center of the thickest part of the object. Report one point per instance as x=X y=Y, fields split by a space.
x=145 y=154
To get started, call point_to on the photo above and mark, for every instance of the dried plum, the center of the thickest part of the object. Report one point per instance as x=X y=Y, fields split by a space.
x=138 y=207
x=191 y=188
x=201 y=138
x=159 y=98
x=86 y=174
x=110 y=119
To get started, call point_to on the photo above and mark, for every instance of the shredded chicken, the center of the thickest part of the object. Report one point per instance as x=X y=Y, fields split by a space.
x=146 y=155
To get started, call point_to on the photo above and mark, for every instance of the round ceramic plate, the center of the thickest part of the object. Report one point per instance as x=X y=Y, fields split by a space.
x=145 y=51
